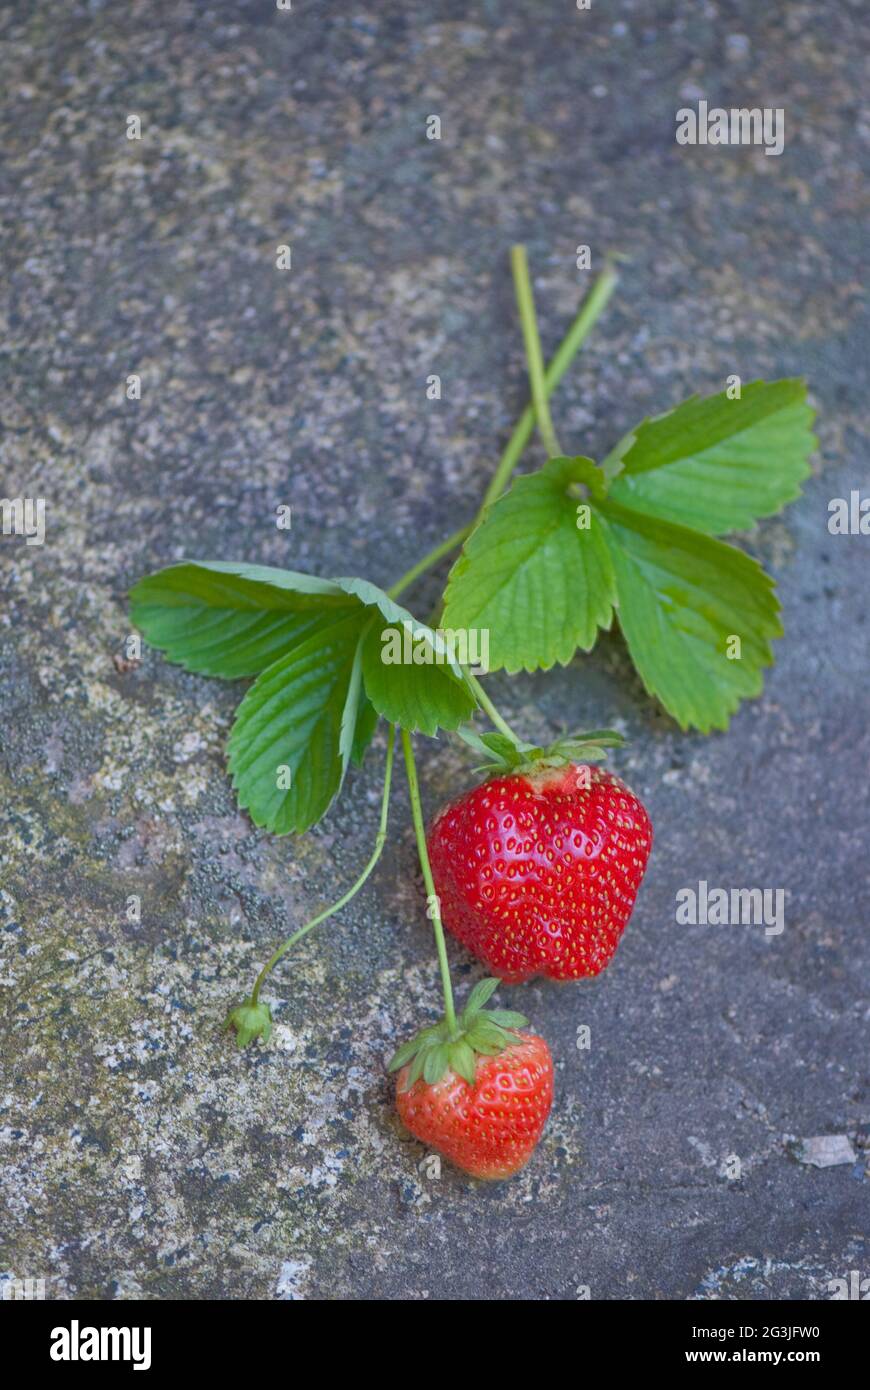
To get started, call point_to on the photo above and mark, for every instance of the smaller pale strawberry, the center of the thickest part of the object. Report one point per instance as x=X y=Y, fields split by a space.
x=250 y=1020
x=479 y=1094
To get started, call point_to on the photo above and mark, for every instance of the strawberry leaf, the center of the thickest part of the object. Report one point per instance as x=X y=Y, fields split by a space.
x=366 y=723
x=716 y=464
x=425 y=695
x=299 y=717
x=541 y=584
x=310 y=712
x=421 y=687
x=682 y=598
x=229 y=620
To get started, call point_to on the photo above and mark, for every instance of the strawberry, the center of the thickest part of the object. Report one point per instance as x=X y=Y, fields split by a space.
x=537 y=871
x=479 y=1094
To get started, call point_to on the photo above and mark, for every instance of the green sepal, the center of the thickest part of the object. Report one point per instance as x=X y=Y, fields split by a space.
x=435 y=1050
x=507 y=1018
x=487 y=1034
x=480 y=995
x=416 y=1068
x=461 y=1060
x=409 y=1049
x=507 y=756
x=487 y=1049
x=436 y=1061
x=250 y=1021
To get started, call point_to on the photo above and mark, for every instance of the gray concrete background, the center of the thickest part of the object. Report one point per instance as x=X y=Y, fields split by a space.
x=141 y=1154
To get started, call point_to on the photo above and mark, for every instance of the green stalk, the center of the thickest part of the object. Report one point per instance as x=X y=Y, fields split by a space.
x=486 y=704
x=380 y=841
x=452 y=543
x=434 y=905
x=592 y=309
x=534 y=357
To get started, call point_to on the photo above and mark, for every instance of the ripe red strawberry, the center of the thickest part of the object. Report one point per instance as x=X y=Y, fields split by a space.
x=489 y=1128
x=537 y=871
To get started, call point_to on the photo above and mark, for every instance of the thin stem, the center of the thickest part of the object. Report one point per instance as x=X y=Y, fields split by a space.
x=380 y=841
x=534 y=357
x=486 y=703
x=434 y=905
x=592 y=309
x=452 y=543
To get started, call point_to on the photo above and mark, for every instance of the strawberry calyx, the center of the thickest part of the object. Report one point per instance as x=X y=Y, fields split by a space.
x=507 y=755
x=250 y=1020
x=435 y=1050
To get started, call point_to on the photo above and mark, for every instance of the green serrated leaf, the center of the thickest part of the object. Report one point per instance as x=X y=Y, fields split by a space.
x=682 y=597
x=425 y=696
x=347 y=737
x=578 y=469
x=541 y=586
x=366 y=723
x=419 y=695
x=230 y=620
x=719 y=465
x=297 y=715
x=373 y=597
x=462 y=1061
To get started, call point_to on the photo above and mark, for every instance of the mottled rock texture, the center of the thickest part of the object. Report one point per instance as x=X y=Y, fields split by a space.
x=141 y=1154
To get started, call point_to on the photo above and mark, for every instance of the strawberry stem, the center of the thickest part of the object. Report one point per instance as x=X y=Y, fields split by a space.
x=591 y=310
x=486 y=704
x=452 y=543
x=434 y=904
x=380 y=841
x=534 y=358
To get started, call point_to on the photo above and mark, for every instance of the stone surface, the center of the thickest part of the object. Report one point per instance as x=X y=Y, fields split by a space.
x=141 y=1154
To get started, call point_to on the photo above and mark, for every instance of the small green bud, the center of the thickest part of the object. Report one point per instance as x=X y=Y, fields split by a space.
x=250 y=1021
